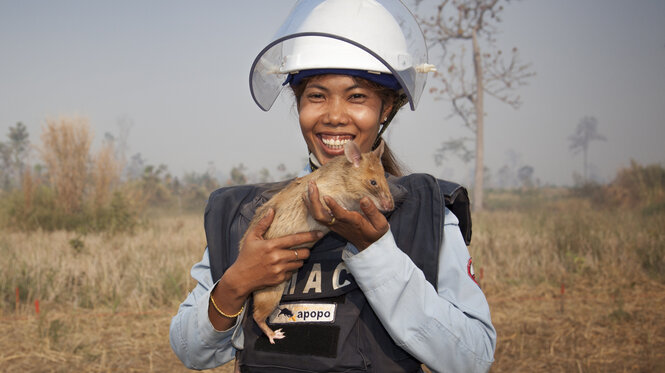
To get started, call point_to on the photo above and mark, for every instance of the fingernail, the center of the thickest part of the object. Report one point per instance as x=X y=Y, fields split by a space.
x=319 y=234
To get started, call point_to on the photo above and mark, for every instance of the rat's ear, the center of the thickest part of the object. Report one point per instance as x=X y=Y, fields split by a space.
x=352 y=153
x=379 y=149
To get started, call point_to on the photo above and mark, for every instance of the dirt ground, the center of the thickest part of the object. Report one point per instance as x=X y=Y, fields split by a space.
x=595 y=328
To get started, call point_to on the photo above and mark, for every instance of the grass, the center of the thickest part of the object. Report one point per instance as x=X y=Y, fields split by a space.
x=610 y=263
x=106 y=300
x=70 y=270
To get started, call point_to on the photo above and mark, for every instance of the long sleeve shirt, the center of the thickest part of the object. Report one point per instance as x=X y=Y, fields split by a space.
x=448 y=329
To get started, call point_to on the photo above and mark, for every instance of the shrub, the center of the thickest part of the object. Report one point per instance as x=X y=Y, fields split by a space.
x=638 y=186
x=65 y=150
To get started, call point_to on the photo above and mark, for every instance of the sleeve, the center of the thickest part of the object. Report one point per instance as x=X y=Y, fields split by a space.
x=447 y=330
x=193 y=338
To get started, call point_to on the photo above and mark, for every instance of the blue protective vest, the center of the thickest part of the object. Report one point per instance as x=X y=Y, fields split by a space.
x=344 y=335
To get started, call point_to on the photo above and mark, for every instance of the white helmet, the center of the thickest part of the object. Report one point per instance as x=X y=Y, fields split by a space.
x=375 y=36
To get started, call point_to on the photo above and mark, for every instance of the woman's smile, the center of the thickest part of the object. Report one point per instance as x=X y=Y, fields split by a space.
x=334 y=144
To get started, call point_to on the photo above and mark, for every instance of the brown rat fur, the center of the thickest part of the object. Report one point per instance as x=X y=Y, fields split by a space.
x=346 y=179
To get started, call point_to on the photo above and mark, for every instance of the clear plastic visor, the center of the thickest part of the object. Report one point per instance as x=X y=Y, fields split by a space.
x=371 y=35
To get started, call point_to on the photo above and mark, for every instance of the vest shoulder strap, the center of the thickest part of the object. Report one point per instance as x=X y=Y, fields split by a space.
x=457 y=201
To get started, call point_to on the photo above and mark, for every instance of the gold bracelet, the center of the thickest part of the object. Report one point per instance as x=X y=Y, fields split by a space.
x=222 y=312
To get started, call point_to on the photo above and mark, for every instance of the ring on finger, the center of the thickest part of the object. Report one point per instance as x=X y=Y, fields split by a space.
x=332 y=221
x=296 y=252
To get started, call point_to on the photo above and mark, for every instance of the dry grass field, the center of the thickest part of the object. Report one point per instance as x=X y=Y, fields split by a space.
x=105 y=301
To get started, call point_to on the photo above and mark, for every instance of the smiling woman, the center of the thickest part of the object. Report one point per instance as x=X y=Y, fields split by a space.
x=409 y=298
x=335 y=109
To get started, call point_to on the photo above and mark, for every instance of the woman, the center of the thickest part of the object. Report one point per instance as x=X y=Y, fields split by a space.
x=379 y=293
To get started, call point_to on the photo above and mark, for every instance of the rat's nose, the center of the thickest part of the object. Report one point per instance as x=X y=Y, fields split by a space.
x=387 y=203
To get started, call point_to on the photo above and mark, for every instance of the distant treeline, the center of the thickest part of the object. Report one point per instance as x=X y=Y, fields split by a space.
x=73 y=188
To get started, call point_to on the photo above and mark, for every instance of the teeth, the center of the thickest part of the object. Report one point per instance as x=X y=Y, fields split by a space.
x=335 y=142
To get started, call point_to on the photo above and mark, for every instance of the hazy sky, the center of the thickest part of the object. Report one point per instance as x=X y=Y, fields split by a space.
x=179 y=71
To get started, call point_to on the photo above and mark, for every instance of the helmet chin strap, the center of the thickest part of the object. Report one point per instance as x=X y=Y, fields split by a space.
x=400 y=102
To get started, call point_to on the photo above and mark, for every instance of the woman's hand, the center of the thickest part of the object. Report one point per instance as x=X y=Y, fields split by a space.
x=261 y=263
x=361 y=230
x=267 y=262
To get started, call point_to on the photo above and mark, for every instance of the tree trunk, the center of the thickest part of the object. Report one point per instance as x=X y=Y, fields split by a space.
x=586 y=176
x=478 y=186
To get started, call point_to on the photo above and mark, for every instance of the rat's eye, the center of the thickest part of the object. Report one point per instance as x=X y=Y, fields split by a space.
x=373 y=182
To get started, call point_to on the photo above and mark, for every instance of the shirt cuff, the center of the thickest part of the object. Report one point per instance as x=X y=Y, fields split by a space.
x=207 y=331
x=376 y=265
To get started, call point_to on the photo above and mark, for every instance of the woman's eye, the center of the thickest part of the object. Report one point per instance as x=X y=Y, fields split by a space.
x=373 y=182
x=357 y=96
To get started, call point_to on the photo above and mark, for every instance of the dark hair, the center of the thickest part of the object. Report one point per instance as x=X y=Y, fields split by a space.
x=388 y=97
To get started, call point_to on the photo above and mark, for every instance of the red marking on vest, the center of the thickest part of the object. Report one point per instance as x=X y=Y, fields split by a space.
x=470 y=271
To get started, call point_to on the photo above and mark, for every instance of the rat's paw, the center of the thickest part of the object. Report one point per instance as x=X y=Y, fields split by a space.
x=277 y=334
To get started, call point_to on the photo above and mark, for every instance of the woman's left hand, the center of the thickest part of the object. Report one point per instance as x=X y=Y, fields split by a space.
x=361 y=230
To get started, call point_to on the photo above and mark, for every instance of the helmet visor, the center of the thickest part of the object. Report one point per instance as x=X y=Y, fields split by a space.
x=369 y=35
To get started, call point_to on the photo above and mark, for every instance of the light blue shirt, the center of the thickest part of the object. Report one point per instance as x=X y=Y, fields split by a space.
x=449 y=330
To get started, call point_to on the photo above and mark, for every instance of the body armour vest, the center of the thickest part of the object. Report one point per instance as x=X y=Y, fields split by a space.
x=329 y=325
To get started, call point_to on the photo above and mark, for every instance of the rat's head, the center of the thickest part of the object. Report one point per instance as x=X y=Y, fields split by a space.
x=366 y=176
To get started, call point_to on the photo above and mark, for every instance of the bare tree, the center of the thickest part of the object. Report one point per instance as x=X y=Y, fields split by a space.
x=451 y=28
x=585 y=132
x=456 y=147
x=507 y=176
x=124 y=124
x=238 y=175
x=105 y=173
x=525 y=176
x=18 y=140
x=135 y=168
x=13 y=156
x=5 y=166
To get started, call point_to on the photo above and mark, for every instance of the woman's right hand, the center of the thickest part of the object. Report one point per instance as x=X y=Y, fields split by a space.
x=261 y=263
x=267 y=262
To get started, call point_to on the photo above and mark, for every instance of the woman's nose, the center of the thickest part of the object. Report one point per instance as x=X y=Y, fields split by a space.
x=336 y=114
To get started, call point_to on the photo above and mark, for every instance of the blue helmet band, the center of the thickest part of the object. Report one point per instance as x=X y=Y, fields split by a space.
x=383 y=79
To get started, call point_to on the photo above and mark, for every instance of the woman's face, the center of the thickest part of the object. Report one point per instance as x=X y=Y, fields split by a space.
x=335 y=109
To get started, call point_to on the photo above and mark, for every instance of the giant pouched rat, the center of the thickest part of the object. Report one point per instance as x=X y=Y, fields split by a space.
x=346 y=179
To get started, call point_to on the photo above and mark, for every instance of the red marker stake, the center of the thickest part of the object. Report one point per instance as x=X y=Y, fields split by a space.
x=37 y=306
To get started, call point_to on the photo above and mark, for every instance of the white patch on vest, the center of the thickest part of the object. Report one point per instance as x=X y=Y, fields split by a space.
x=314 y=280
x=336 y=276
x=288 y=313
